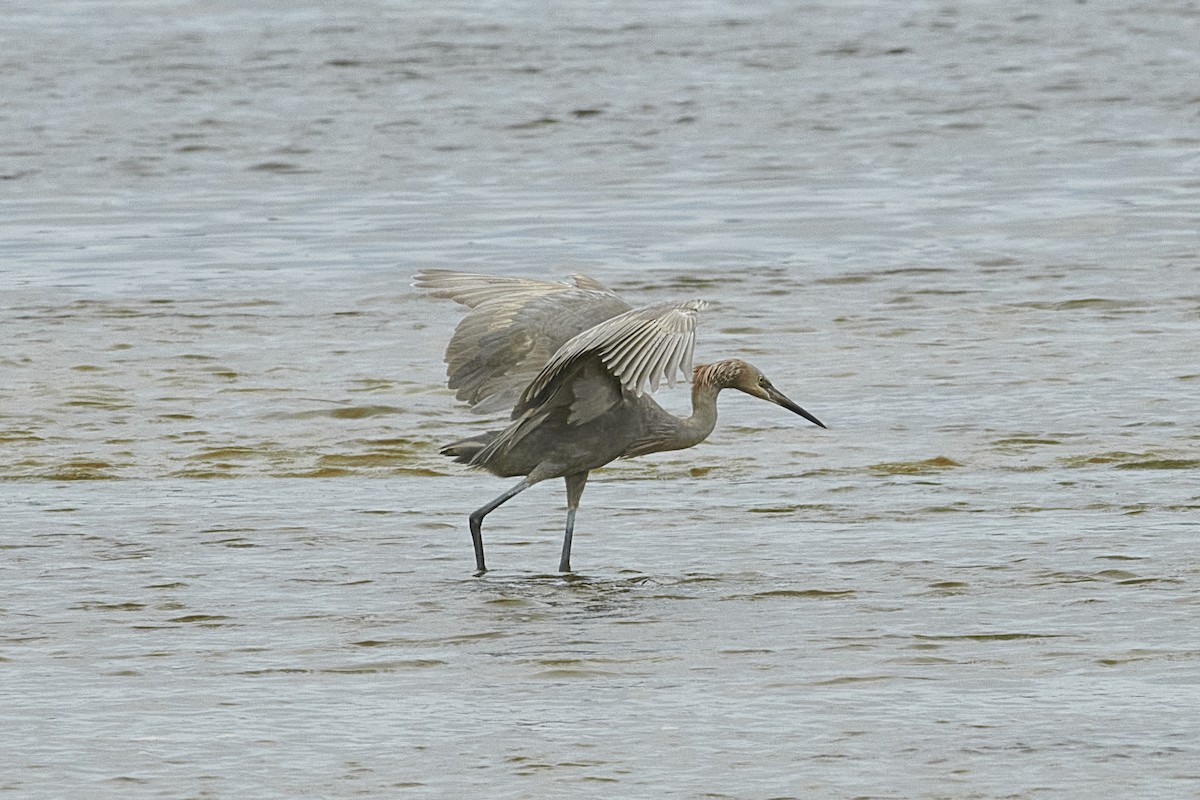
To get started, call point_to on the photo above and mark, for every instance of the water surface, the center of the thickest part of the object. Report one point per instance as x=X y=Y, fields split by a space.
x=964 y=236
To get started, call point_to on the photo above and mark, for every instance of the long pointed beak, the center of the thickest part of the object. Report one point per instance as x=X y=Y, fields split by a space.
x=779 y=398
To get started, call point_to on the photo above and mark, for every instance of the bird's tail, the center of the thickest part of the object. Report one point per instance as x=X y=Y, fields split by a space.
x=464 y=451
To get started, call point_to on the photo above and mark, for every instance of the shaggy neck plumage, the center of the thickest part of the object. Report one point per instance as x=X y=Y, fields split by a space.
x=707 y=382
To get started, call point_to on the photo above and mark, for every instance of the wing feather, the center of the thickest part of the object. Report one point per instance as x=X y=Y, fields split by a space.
x=657 y=367
x=639 y=347
x=638 y=361
x=513 y=328
x=621 y=360
x=677 y=357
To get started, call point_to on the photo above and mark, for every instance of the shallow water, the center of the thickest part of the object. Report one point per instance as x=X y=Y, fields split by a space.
x=963 y=236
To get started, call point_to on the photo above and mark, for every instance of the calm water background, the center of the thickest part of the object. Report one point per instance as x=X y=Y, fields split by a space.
x=963 y=234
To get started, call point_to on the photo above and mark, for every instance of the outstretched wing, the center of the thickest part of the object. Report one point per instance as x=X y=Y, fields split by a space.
x=642 y=346
x=591 y=373
x=514 y=327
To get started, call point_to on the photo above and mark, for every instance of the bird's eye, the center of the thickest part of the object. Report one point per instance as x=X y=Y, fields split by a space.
x=763 y=382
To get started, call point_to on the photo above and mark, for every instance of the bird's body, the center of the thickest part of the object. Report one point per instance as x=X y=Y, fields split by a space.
x=575 y=363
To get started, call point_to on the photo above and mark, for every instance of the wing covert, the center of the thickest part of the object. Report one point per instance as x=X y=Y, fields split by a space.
x=639 y=347
x=513 y=328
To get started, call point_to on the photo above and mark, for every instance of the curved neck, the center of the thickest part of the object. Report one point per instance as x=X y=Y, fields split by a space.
x=669 y=432
x=700 y=424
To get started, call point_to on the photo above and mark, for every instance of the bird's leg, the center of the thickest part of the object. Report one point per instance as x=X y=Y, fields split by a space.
x=483 y=511
x=575 y=484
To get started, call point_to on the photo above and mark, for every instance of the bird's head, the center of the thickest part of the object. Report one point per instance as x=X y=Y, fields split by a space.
x=745 y=377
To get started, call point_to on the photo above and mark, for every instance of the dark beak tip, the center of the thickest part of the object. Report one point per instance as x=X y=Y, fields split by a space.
x=814 y=421
x=795 y=409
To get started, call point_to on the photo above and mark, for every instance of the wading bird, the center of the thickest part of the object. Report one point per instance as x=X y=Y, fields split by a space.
x=574 y=363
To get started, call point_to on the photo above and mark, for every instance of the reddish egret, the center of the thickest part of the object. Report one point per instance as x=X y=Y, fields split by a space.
x=574 y=363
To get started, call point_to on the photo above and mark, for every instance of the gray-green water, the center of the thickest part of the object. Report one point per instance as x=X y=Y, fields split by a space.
x=964 y=236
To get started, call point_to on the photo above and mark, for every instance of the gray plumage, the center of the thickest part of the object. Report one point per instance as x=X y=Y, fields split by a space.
x=574 y=364
x=514 y=327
